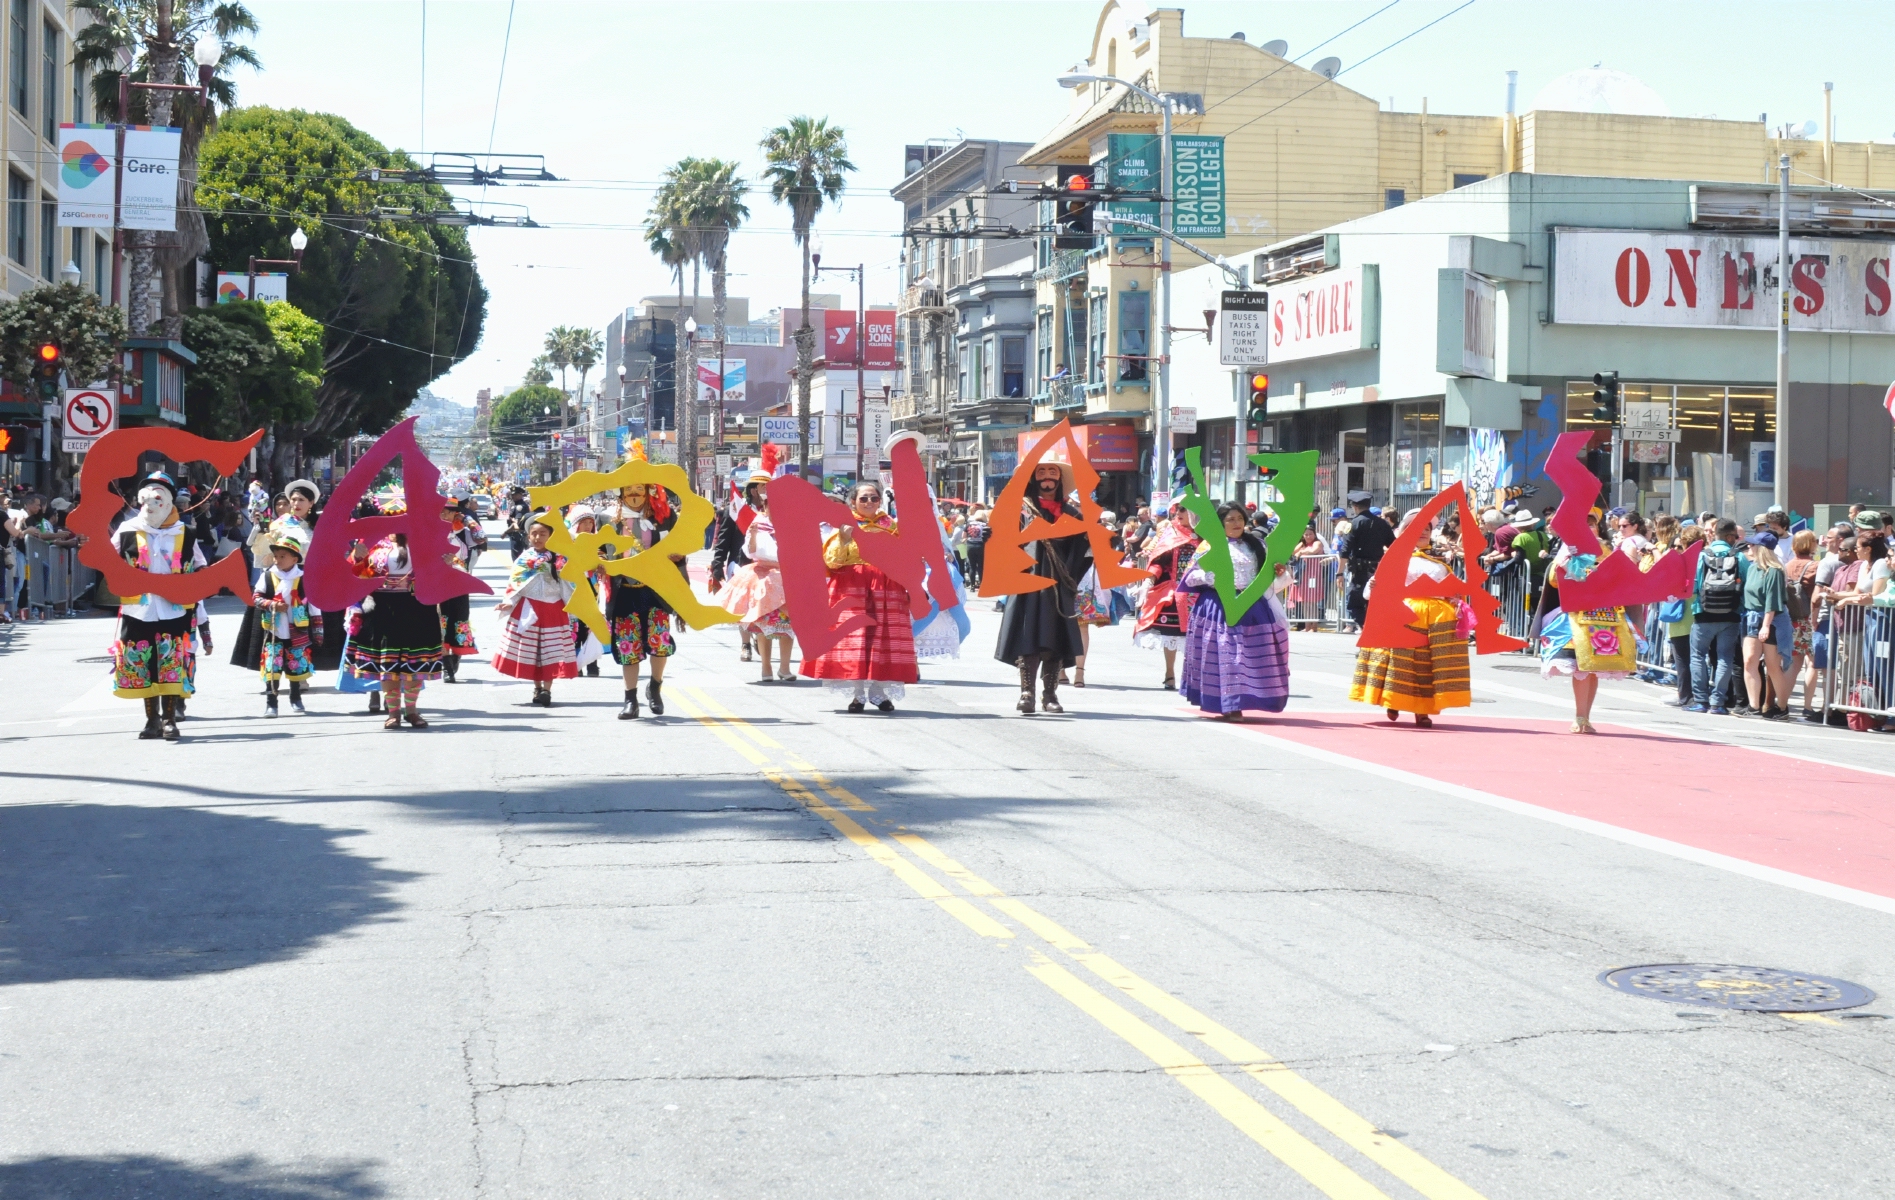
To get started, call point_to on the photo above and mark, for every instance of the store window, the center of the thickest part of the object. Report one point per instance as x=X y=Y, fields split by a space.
x=1418 y=448
x=1134 y=335
x=1724 y=460
x=1394 y=197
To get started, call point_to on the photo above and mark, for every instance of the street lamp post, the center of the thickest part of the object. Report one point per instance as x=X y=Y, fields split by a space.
x=861 y=397
x=1161 y=417
x=208 y=52
x=299 y=241
x=1781 y=480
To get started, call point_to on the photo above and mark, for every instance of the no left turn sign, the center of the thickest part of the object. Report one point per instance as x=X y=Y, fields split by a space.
x=89 y=415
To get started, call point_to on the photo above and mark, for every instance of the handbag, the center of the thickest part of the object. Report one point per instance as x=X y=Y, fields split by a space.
x=1603 y=641
x=1671 y=611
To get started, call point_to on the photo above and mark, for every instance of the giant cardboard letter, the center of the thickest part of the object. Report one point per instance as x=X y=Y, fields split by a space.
x=114 y=457
x=1387 y=623
x=1009 y=570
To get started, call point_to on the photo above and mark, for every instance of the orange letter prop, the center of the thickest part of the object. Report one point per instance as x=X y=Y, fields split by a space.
x=1387 y=623
x=114 y=457
x=1009 y=569
x=327 y=579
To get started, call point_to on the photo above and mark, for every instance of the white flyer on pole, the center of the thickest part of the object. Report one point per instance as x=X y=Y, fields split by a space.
x=85 y=175
x=149 y=194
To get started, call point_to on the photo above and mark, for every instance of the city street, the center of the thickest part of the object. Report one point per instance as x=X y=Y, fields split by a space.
x=761 y=947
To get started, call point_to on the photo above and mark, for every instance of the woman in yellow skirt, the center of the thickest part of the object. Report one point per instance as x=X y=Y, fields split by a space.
x=1424 y=680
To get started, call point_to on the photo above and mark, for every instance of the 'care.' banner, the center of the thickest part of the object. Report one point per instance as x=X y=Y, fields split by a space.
x=149 y=195
x=85 y=175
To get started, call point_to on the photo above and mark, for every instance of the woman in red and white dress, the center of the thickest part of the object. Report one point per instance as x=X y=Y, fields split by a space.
x=875 y=661
x=536 y=642
x=755 y=591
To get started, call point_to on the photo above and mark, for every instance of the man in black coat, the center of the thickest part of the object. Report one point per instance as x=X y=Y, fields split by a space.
x=1369 y=538
x=1039 y=632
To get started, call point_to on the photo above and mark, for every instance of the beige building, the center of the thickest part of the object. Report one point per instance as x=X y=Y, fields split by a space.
x=1303 y=152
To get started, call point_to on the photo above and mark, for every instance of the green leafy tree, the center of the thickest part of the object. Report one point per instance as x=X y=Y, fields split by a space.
x=527 y=413
x=154 y=36
x=400 y=303
x=804 y=164
x=715 y=195
x=258 y=363
x=87 y=330
x=541 y=371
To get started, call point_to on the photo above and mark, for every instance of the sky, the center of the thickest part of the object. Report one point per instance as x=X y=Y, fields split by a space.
x=611 y=93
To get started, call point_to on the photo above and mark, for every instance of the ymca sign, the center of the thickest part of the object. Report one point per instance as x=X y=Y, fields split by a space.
x=1709 y=281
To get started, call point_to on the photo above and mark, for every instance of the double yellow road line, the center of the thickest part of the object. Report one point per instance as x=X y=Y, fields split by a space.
x=814 y=791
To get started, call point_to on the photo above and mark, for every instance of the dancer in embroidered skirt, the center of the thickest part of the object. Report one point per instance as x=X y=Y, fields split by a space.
x=1424 y=680
x=1164 y=617
x=300 y=499
x=637 y=616
x=874 y=662
x=291 y=628
x=1229 y=668
x=398 y=640
x=457 y=627
x=152 y=659
x=755 y=590
x=536 y=642
x=1039 y=632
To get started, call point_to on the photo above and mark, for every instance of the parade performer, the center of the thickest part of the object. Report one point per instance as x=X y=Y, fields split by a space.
x=1421 y=681
x=874 y=662
x=1039 y=632
x=1229 y=668
x=580 y=520
x=638 y=617
x=152 y=659
x=299 y=499
x=536 y=643
x=398 y=640
x=754 y=590
x=1586 y=647
x=1164 y=617
x=728 y=552
x=291 y=629
x=457 y=627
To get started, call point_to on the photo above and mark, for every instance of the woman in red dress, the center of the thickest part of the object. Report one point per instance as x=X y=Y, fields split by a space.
x=876 y=660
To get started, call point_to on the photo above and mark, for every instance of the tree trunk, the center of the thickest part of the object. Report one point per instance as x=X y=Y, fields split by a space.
x=805 y=358
x=719 y=278
x=162 y=55
x=687 y=406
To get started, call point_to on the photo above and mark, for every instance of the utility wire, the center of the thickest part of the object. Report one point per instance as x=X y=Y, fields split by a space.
x=1305 y=54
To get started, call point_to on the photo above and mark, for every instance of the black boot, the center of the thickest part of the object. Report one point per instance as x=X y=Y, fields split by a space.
x=296 y=699
x=151 y=732
x=630 y=711
x=1049 y=685
x=592 y=670
x=451 y=664
x=168 y=724
x=652 y=697
x=269 y=700
x=1029 y=667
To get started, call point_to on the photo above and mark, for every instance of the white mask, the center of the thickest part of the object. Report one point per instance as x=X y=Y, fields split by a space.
x=155 y=503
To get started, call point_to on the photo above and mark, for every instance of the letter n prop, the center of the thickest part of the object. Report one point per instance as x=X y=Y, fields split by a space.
x=914 y=556
x=1009 y=569
x=798 y=510
x=327 y=579
x=114 y=457
x=1387 y=625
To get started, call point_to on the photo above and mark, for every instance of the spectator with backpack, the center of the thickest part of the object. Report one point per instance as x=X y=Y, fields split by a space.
x=1717 y=603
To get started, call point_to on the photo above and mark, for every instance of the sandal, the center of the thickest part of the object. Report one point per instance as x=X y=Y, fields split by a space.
x=414 y=719
x=1079 y=677
x=393 y=721
x=745 y=656
x=1171 y=684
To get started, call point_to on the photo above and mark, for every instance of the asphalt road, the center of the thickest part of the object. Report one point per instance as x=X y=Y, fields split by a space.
x=759 y=947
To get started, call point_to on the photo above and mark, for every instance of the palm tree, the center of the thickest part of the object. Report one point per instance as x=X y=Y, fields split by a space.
x=558 y=347
x=584 y=347
x=154 y=35
x=671 y=252
x=672 y=212
x=804 y=163
x=714 y=197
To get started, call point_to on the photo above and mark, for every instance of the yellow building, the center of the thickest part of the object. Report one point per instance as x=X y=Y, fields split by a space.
x=1303 y=152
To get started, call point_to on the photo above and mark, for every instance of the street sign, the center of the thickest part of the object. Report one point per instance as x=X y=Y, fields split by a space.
x=1241 y=320
x=88 y=415
x=724 y=462
x=1184 y=420
x=1652 y=435
x=782 y=430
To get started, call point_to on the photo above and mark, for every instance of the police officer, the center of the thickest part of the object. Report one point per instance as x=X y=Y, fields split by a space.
x=1369 y=537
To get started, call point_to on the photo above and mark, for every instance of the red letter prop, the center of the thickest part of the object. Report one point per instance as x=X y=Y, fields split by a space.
x=798 y=509
x=115 y=456
x=1387 y=623
x=327 y=579
x=1617 y=580
x=1009 y=569
x=914 y=556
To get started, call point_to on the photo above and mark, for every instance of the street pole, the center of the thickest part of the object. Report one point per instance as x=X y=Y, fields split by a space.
x=1161 y=425
x=861 y=395
x=1781 y=475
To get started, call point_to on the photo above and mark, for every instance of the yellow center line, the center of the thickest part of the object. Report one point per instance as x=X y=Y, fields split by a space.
x=1297 y=1152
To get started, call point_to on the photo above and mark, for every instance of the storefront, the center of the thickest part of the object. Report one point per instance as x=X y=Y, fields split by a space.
x=1435 y=343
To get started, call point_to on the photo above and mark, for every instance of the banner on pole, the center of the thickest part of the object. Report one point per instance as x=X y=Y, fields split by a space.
x=734 y=379
x=85 y=175
x=148 y=198
x=273 y=285
x=1197 y=186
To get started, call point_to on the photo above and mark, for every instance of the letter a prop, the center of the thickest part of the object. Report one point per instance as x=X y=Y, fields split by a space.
x=327 y=579
x=1387 y=626
x=1009 y=570
x=114 y=457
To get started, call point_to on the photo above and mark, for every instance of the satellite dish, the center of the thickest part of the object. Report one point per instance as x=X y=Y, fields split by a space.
x=1328 y=68
x=1811 y=129
x=1278 y=47
x=914 y=164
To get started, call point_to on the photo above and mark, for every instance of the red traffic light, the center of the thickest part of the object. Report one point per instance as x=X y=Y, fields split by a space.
x=1260 y=383
x=1079 y=183
x=49 y=352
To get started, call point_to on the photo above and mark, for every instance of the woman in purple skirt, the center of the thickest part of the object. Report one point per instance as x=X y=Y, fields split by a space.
x=1229 y=668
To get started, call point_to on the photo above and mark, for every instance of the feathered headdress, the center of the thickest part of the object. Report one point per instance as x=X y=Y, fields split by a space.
x=636 y=451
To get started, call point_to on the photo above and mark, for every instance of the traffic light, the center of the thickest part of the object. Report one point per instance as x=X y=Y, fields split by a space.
x=1257 y=411
x=1605 y=397
x=13 y=439
x=46 y=366
x=1072 y=211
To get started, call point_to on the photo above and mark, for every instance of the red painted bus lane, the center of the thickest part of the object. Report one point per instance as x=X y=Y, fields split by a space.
x=1816 y=820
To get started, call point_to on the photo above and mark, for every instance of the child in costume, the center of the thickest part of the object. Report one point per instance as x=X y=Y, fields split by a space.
x=152 y=659
x=536 y=642
x=755 y=591
x=1229 y=668
x=398 y=639
x=291 y=628
x=1164 y=617
x=299 y=501
x=638 y=617
x=876 y=660
x=457 y=628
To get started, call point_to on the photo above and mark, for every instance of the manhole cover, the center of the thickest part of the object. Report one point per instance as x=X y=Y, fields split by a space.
x=1516 y=667
x=1753 y=989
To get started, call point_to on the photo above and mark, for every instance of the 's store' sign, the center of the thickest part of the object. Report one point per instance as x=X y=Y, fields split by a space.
x=1331 y=313
x=1709 y=281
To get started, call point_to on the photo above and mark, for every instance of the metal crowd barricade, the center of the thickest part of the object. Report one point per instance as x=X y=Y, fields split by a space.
x=1861 y=673
x=54 y=577
x=1512 y=583
x=1655 y=661
x=1314 y=597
